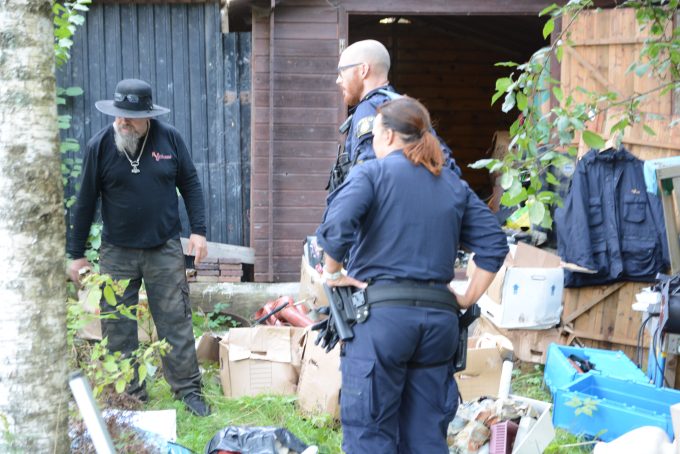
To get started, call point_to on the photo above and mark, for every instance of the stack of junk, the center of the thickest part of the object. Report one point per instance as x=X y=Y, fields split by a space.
x=601 y=394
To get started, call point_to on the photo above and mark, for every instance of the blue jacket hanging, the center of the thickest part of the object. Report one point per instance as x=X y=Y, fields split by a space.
x=609 y=223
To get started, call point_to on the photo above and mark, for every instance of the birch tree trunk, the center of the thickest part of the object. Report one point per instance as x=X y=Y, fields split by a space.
x=33 y=351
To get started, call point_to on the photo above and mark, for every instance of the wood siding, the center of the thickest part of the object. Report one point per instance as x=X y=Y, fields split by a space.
x=300 y=143
x=202 y=75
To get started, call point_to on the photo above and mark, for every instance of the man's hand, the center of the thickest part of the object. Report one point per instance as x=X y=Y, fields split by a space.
x=198 y=246
x=74 y=269
x=346 y=281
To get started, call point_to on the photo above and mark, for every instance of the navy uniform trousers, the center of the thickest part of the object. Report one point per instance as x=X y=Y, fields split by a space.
x=388 y=405
x=163 y=271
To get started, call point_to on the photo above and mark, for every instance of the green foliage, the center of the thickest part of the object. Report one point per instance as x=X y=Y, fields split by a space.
x=103 y=368
x=67 y=17
x=542 y=138
x=215 y=320
x=94 y=242
x=279 y=411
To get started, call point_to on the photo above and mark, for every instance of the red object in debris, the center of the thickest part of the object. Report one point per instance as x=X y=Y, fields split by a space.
x=290 y=314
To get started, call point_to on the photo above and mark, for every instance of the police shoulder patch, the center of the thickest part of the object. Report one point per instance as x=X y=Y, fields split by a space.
x=365 y=126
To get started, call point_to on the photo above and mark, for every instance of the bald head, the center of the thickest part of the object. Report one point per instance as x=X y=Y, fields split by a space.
x=371 y=52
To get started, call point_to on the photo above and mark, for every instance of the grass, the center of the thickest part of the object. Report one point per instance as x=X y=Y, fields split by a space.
x=280 y=411
x=194 y=432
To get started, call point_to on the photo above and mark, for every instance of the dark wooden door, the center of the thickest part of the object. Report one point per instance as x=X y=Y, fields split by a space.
x=198 y=72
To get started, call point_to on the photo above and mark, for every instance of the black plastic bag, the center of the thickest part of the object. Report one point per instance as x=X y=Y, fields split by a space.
x=254 y=440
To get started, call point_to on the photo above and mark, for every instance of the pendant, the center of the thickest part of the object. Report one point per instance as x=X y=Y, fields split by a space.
x=134 y=168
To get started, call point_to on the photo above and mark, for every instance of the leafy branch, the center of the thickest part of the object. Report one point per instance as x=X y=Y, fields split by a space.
x=543 y=137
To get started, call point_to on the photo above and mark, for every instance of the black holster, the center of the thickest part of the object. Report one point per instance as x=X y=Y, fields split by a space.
x=464 y=321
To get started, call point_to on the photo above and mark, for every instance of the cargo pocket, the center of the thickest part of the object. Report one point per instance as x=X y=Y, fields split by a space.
x=186 y=301
x=595 y=211
x=600 y=256
x=356 y=394
x=634 y=209
x=450 y=401
x=639 y=257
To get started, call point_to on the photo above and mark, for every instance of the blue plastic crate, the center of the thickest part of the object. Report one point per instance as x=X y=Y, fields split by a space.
x=620 y=406
x=559 y=372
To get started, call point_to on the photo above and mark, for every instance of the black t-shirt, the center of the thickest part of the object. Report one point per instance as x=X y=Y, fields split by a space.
x=139 y=210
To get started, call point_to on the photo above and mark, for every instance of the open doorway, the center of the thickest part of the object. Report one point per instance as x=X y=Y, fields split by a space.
x=447 y=62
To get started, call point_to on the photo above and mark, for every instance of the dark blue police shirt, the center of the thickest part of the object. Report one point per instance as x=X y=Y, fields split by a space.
x=408 y=223
x=359 y=140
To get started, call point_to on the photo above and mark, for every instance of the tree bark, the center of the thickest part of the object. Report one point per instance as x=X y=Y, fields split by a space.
x=33 y=352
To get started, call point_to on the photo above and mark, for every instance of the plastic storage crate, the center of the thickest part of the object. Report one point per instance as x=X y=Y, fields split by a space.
x=620 y=406
x=560 y=372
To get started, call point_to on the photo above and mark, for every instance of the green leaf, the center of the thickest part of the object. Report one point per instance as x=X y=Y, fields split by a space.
x=506 y=63
x=482 y=163
x=648 y=130
x=73 y=91
x=120 y=385
x=559 y=52
x=503 y=83
x=574 y=402
x=547 y=10
x=551 y=179
x=142 y=373
x=109 y=295
x=640 y=70
x=557 y=92
x=593 y=140
x=536 y=212
x=548 y=27
x=521 y=101
x=515 y=188
x=509 y=102
x=506 y=181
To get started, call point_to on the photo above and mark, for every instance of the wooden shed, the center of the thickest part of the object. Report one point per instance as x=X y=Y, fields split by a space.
x=443 y=53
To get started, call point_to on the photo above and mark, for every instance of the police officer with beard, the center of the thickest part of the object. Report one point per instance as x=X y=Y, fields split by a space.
x=398 y=391
x=362 y=76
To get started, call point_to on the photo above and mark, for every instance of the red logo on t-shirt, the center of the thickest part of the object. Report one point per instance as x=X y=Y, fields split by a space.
x=157 y=156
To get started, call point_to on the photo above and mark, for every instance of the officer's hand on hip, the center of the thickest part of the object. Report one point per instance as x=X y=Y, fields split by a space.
x=346 y=281
x=77 y=268
x=198 y=246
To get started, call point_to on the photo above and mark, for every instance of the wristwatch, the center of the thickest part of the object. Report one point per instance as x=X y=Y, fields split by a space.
x=328 y=276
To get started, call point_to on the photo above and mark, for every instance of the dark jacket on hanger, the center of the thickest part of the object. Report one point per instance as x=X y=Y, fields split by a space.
x=609 y=223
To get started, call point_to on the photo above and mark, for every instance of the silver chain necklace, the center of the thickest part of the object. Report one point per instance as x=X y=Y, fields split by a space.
x=135 y=163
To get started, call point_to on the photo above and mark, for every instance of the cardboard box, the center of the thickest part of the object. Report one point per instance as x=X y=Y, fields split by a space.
x=260 y=360
x=482 y=374
x=320 y=379
x=311 y=286
x=527 y=291
x=208 y=348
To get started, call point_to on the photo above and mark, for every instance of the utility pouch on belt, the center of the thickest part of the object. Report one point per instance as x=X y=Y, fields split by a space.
x=340 y=170
x=464 y=321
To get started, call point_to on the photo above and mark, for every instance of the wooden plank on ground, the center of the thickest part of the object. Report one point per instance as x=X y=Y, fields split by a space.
x=240 y=254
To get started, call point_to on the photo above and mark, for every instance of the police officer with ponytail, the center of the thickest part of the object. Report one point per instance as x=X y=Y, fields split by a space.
x=404 y=216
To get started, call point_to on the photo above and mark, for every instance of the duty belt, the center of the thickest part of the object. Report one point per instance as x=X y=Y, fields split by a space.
x=401 y=294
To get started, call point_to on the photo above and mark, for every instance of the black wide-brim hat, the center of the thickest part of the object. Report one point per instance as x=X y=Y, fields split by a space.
x=132 y=99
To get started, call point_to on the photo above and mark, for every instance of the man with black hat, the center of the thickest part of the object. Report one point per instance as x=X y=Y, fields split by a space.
x=134 y=166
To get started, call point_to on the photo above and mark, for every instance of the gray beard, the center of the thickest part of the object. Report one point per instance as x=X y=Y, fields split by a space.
x=126 y=143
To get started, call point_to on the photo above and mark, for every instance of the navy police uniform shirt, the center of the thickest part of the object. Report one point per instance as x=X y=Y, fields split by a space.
x=359 y=141
x=401 y=230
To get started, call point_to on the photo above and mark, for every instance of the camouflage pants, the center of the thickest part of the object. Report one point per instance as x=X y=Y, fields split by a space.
x=163 y=271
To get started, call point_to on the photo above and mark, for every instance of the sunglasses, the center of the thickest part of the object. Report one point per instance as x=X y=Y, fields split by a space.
x=134 y=99
x=344 y=67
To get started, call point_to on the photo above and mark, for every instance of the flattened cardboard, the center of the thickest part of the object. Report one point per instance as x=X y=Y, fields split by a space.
x=320 y=379
x=260 y=360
